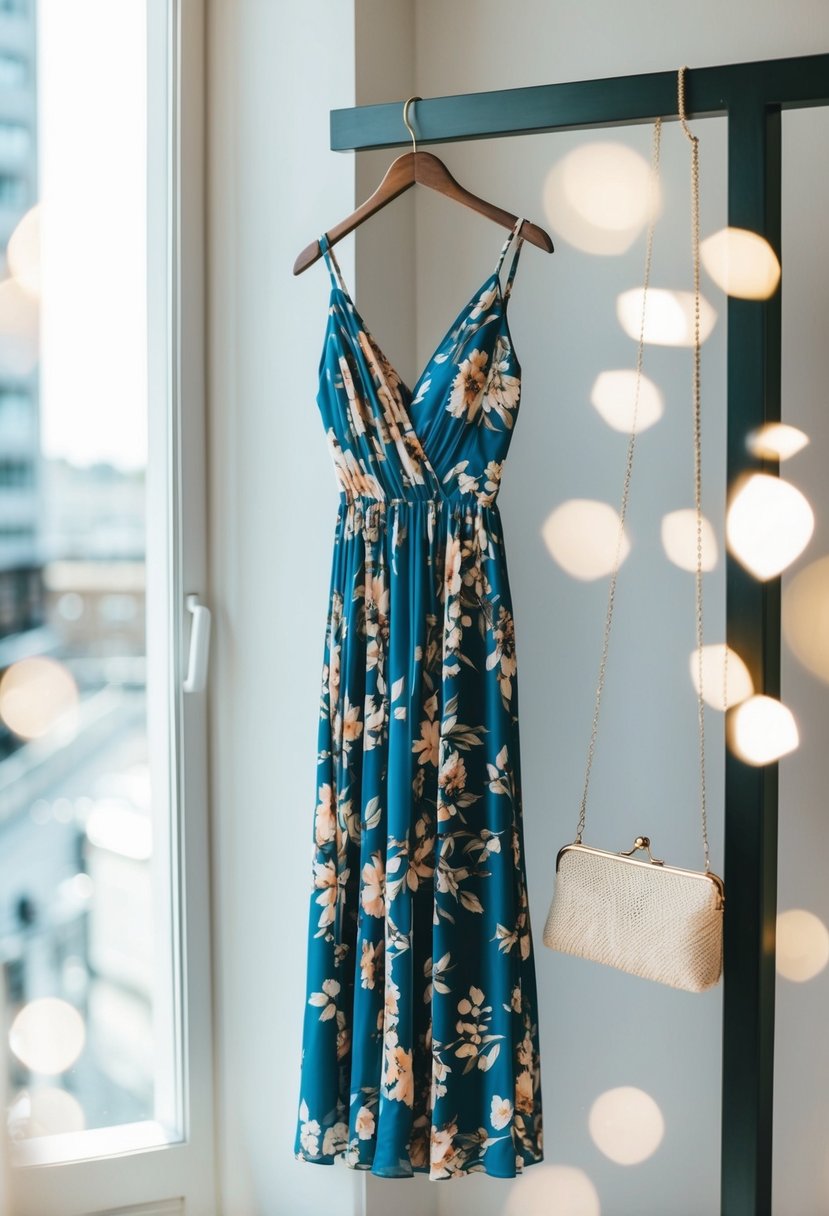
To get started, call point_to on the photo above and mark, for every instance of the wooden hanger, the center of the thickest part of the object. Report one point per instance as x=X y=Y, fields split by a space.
x=430 y=171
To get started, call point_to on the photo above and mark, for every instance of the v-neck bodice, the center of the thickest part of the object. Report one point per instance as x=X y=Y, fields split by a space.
x=446 y=437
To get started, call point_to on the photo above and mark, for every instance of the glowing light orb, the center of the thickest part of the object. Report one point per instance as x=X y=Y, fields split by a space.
x=47 y=1035
x=669 y=316
x=597 y=197
x=582 y=535
x=777 y=441
x=805 y=617
x=802 y=945
x=35 y=694
x=742 y=263
x=679 y=540
x=552 y=1190
x=613 y=396
x=23 y=252
x=626 y=1124
x=740 y=685
x=763 y=730
x=769 y=524
x=44 y=1111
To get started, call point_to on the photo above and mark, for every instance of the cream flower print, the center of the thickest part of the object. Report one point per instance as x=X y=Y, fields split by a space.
x=484 y=302
x=502 y=389
x=352 y=726
x=426 y=747
x=325 y=823
x=500 y=1112
x=309 y=1132
x=399 y=1079
x=336 y=1139
x=364 y=1123
x=370 y=961
x=373 y=894
x=468 y=386
x=326 y=998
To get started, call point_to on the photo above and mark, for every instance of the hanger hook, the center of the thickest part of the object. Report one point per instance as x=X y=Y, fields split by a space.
x=409 y=126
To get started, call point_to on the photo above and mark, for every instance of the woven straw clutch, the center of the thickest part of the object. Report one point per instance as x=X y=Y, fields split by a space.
x=643 y=917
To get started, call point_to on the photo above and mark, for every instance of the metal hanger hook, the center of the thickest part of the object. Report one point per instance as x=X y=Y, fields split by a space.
x=409 y=126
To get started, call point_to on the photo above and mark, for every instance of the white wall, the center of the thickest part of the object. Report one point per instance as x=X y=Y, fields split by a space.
x=275 y=71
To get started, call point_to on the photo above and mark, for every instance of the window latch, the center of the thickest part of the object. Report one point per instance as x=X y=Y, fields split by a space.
x=196 y=679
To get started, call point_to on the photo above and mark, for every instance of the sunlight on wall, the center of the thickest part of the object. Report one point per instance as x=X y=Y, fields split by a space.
x=777 y=441
x=679 y=540
x=763 y=730
x=739 y=681
x=36 y=695
x=669 y=316
x=597 y=197
x=553 y=1190
x=742 y=263
x=47 y=1035
x=806 y=617
x=802 y=945
x=582 y=536
x=613 y=396
x=626 y=1124
x=769 y=523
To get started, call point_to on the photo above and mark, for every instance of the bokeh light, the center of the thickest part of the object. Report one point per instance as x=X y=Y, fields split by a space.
x=597 y=197
x=740 y=685
x=679 y=540
x=742 y=263
x=762 y=730
x=19 y=330
x=44 y=1111
x=119 y=829
x=582 y=536
x=47 y=1035
x=626 y=1124
x=769 y=523
x=669 y=316
x=613 y=397
x=35 y=695
x=23 y=252
x=802 y=945
x=552 y=1190
x=806 y=617
x=777 y=441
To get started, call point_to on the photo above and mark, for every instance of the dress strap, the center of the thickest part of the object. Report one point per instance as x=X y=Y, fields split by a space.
x=332 y=263
x=514 y=264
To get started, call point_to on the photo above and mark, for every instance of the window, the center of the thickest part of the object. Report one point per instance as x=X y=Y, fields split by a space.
x=14 y=139
x=12 y=71
x=105 y=1067
x=12 y=188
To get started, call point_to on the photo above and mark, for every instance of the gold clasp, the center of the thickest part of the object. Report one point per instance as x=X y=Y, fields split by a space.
x=643 y=843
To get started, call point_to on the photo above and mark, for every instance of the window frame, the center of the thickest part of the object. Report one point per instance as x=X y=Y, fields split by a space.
x=131 y=1165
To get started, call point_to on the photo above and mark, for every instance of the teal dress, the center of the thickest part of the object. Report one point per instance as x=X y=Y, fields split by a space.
x=420 y=1043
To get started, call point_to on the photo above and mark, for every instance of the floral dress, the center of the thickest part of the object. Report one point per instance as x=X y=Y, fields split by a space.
x=420 y=1043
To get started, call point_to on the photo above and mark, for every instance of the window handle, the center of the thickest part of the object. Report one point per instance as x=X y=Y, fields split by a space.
x=196 y=679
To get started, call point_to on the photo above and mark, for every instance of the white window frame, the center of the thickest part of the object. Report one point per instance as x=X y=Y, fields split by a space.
x=136 y=1167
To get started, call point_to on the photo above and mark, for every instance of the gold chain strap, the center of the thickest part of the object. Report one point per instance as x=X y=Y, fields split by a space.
x=697 y=420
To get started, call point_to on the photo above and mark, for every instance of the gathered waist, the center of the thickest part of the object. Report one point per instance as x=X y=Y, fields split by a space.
x=465 y=502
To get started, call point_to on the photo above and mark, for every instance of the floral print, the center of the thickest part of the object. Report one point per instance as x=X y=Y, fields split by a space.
x=420 y=1042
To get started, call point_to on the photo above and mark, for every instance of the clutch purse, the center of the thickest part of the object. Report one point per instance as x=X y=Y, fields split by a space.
x=645 y=917
x=650 y=919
